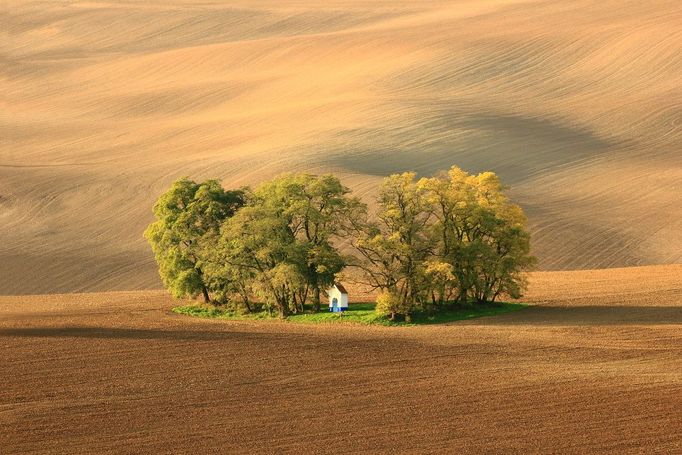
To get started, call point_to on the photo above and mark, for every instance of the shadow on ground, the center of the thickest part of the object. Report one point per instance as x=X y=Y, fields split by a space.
x=589 y=315
x=534 y=315
x=135 y=334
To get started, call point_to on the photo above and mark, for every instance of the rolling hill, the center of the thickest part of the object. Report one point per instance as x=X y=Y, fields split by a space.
x=577 y=105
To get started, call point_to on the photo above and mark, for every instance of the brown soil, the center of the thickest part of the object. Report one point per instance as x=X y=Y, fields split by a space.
x=595 y=366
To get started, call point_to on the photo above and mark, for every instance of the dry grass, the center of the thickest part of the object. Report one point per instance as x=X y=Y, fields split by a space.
x=576 y=104
x=594 y=367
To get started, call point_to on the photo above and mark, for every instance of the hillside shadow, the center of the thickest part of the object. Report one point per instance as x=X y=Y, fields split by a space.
x=513 y=145
x=589 y=316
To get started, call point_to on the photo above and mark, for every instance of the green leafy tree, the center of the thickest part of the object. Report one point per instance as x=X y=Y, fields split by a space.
x=504 y=243
x=393 y=250
x=454 y=207
x=316 y=210
x=440 y=282
x=258 y=244
x=280 y=246
x=389 y=303
x=481 y=235
x=451 y=237
x=188 y=217
x=230 y=283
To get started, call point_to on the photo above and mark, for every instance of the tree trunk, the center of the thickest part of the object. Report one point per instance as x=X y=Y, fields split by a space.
x=295 y=309
x=316 y=299
x=283 y=307
x=204 y=291
x=247 y=304
x=462 y=297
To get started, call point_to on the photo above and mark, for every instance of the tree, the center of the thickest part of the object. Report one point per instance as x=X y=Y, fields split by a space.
x=316 y=210
x=393 y=250
x=258 y=244
x=454 y=207
x=441 y=282
x=453 y=237
x=480 y=233
x=188 y=217
x=504 y=252
x=280 y=245
x=230 y=282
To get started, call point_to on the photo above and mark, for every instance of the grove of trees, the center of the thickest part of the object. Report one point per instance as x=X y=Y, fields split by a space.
x=431 y=243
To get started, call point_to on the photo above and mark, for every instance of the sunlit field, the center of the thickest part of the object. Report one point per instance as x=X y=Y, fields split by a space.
x=576 y=105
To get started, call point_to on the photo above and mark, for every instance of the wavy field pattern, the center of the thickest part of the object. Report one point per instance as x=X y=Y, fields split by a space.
x=578 y=105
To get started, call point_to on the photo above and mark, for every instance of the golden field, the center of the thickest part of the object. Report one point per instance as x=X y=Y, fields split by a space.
x=577 y=105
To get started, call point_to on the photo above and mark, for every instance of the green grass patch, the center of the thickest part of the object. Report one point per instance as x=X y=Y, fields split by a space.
x=357 y=313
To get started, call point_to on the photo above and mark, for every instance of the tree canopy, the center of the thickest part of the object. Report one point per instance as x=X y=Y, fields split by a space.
x=188 y=218
x=433 y=241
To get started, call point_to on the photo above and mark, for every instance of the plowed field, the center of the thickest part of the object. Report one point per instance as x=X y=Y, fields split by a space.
x=594 y=366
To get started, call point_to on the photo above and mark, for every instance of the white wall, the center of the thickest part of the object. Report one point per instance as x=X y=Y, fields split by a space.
x=342 y=298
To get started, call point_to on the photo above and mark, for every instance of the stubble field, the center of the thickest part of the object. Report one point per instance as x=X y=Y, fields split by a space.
x=593 y=366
